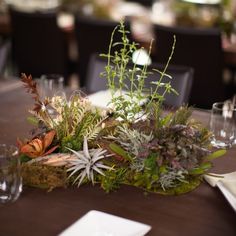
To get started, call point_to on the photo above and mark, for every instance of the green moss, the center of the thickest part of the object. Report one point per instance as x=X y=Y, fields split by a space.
x=182 y=188
x=43 y=176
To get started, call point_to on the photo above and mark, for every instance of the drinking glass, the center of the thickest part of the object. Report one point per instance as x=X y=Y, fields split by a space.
x=50 y=85
x=10 y=178
x=223 y=124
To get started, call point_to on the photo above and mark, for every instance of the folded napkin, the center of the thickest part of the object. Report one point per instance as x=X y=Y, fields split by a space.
x=101 y=99
x=226 y=183
x=103 y=224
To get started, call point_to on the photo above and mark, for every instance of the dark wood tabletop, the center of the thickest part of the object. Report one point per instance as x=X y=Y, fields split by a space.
x=203 y=211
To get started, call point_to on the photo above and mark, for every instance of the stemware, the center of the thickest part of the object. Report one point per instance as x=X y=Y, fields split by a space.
x=223 y=124
x=10 y=177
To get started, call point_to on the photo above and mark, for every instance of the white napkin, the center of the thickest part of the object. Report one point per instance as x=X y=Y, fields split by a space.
x=101 y=99
x=98 y=223
x=226 y=183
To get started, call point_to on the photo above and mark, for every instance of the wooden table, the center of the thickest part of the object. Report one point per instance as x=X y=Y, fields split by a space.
x=203 y=211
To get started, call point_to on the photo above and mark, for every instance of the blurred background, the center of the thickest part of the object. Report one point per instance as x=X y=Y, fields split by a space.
x=60 y=36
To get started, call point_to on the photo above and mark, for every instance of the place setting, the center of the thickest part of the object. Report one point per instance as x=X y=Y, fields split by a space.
x=223 y=126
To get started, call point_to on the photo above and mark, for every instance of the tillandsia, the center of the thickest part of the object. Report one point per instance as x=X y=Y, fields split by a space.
x=139 y=144
x=87 y=163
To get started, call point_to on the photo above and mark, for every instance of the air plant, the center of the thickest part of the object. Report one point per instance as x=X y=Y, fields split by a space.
x=87 y=162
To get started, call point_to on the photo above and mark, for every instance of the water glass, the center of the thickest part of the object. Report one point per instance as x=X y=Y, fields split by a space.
x=51 y=84
x=223 y=124
x=10 y=177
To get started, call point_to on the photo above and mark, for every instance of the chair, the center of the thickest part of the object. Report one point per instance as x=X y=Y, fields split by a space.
x=199 y=49
x=146 y=3
x=93 y=36
x=4 y=54
x=38 y=44
x=182 y=78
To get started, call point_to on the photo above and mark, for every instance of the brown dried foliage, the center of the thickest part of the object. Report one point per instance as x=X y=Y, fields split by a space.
x=31 y=87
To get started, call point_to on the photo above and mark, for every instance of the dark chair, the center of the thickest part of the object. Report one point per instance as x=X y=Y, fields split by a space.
x=146 y=3
x=38 y=44
x=182 y=78
x=199 y=49
x=93 y=36
x=4 y=55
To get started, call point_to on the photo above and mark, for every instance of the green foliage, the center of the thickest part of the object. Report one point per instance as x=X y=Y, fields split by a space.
x=120 y=71
x=70 y=142
x=24 y=158
x=150 y=163
x=73 y=120
x=172 y=157
x=182 y=188
x=165 y=121
x=148 y=177
x=145 y=180
x=200 y=170
x=205 y=136
x=113 y=179
x=131 y=139
x=216 y=154
x=181 y=116
x=119 y=151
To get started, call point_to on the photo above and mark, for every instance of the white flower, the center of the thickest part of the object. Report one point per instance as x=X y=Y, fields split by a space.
x=43 y=107
x=86 y=162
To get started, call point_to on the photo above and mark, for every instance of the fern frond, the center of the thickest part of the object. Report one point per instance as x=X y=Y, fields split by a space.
x=44 y=117
x=78 y=116
x=86 y=123
x=94 y=130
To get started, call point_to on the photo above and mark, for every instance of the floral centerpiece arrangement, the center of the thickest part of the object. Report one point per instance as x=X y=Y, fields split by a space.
x=136 y=143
